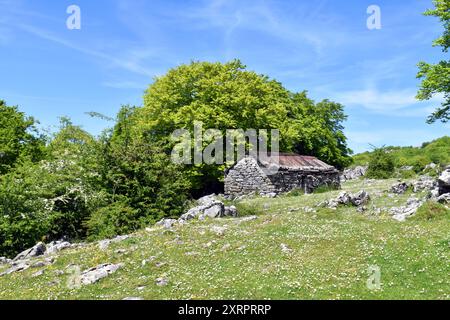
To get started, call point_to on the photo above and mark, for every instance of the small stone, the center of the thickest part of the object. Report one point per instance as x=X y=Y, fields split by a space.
x=38 y=274
x=162 y=282
x=285 y=248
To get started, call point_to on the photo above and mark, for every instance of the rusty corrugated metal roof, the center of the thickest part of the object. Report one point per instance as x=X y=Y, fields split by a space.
x=294 y=161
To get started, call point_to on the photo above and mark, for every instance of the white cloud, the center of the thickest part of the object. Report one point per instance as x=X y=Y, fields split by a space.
x=393 y=102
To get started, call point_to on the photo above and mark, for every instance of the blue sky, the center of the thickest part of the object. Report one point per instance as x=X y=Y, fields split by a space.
x=320 y=46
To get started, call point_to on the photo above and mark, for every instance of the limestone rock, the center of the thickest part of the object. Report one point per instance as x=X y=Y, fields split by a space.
x=167 y=223
x=444 y=181
x=161 y=282
x=424 y=183
x=344 y=198
x=38 y=250
x=16 y=266
x=445 y=198
x=104 y=244
x=403 y=212
x=93 y=275
x=56 y=246
x=354 y=173
x=400 y=188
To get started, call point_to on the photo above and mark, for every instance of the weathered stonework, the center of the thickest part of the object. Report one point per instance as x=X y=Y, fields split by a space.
x=247 y=177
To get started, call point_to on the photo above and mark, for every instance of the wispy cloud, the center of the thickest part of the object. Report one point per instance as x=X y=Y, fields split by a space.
x=392 y=103
x=131 y=65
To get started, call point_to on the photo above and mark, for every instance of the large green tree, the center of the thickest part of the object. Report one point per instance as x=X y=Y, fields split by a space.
x=19 y=138
x=227 y=96
x=436 y=77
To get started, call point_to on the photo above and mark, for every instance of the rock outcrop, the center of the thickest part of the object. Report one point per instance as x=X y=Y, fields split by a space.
x=403 y=212
x=93 y=275
x=400 y=188
x=354 y=173
x=207 y=207
x=344 y=198
x=444 y=181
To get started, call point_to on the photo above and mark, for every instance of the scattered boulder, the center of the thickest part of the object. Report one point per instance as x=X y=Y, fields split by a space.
x=16 y=266
x=167 y=223
x=231 y=212
x=161 y=282
x=38 y=274
x=208 y=207
x=56 y=246
x=400 y=188
x=36 y=251
x=354 y=173
x=104 y=244
x=285 y=248
x=220 y=231
x=444 y=181
x=406 y=168
x=93 y=275
x=344 y=198
x=445 y=198
x=360 y=198
x=431 y=166
x=4 y=260
x=403 y=212
x=424 y=183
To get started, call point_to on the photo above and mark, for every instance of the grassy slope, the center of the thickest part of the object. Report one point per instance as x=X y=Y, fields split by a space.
x=436 y=151
x=331 y=252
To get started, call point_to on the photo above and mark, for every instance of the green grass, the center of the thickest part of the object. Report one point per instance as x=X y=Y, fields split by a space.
x=331 y=252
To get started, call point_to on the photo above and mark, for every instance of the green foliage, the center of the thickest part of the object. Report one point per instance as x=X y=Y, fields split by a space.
x=19 y=139
x=436 y=77
x=80 y=186
x=142 y=173
x=227 y=96
x=436 y=151
x=407 y=174
x=381 y=164
x=112 y=220
x=51 y=199
x=432 y=210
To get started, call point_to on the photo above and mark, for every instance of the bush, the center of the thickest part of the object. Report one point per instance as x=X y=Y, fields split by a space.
x=407 y=174
x=115 y=219
x=45 y=202
x=381 y=164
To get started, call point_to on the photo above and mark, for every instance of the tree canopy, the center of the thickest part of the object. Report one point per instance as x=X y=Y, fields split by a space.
x=227 y=96
x=19 y=140
x=436 y=77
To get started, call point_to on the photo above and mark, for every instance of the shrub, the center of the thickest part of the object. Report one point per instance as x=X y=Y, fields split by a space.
x=115 y=219
x=381 y=164
x=406 y=174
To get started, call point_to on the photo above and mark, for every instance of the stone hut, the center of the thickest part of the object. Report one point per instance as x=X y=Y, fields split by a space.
x=249 y=175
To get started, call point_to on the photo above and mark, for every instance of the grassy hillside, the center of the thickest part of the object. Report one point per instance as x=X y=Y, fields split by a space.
x=326 y=255
x=437 y=151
